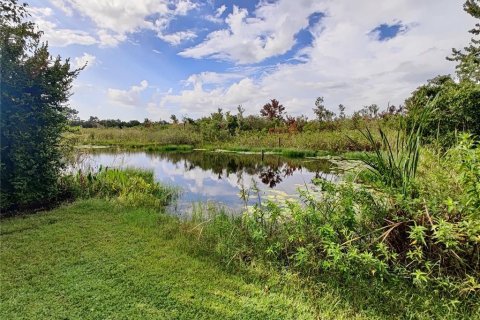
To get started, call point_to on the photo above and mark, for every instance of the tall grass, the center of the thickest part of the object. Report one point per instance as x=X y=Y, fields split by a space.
x=135 y=187
x=395 y=162
x=157 y=138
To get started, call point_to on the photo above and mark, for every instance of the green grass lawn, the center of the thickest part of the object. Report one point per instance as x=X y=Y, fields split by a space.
x=96 y=260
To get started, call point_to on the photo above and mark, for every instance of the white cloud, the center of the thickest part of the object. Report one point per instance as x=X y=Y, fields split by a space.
x=62 y=5
x=345 y=63
x=212 y=78
x=220 y=10
x=177 y=37
x=184 y=6
x=58 y=37
x=128 y=98
x=270 y=32
x=86 y=60
x=115 y=19
x=218 y=13
x=109 y=39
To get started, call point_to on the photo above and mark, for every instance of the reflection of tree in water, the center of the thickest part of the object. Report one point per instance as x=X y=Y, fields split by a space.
x=270 y=177
x=271 y=170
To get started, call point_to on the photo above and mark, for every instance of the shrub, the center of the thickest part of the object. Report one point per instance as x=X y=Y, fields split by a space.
x=455 y=108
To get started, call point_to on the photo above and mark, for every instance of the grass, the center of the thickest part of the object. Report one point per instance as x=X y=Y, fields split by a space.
x=170 y=147
x=180 y=138
x=95 y=259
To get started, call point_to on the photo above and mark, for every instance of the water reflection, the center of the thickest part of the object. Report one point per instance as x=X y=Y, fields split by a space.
x=219 y=177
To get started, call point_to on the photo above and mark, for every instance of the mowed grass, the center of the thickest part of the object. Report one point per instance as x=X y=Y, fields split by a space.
x=94 y=259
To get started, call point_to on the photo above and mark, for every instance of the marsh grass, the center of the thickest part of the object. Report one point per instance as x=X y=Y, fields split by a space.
x=135 y=187
x=395 y=162
x=157 y=138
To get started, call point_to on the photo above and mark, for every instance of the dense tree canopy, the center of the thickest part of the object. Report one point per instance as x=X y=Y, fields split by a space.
x=34 y=113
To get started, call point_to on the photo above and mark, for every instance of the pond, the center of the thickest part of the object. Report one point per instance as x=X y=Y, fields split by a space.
x=218 y=177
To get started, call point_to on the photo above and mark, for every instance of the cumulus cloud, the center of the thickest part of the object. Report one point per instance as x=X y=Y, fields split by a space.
x=86 y=60
x=218 y=13
x=62 y=5
x=177 y=37
x=270 y=32
x=345 y=63
x=114 y=20
x=128 y=98
x=212 y=78
x=56 y=36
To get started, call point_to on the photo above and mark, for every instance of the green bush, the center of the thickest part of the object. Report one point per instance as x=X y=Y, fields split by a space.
x=455 y=105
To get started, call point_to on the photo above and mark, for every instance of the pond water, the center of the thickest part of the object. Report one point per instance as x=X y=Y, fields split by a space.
x=218 y=178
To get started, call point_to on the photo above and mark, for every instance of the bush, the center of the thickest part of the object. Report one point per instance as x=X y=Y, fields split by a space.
x=455 y=108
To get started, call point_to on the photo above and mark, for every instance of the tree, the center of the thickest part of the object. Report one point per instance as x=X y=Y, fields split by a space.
x=34 y=112
x=455 y=104
x=147 y=123
x=341 y=108
x=174 y=119
x=373 y=110
x=455 y=107
x=272 y=110
x=240 y=117
x=468 y=67
x=322 y=113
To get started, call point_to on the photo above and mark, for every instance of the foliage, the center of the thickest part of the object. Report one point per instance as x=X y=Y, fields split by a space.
x=34 y=114
x=468 y=67
x=134 y=187
x=94 y=122
x=322 y=113
x=457 y=103
x=205 y=135
x=455 y=107
x=395 y=162
x=371 y=235
x=273 y=110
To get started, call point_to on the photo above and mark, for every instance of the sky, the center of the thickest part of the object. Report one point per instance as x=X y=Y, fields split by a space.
x=153 y=58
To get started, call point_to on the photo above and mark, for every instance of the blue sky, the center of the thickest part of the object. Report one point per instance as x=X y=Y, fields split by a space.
x=153 y=58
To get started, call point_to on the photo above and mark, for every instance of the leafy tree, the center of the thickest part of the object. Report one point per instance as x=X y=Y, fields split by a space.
x=468 y=67
x=232 y=123
x=456 y=107
x=147 y=123
x=240 y=117
x=34 y=113
x=455 y=104
x=174 y=119
x=341 y=108
x=373 y=110
x=322 y=113
x=273 y=110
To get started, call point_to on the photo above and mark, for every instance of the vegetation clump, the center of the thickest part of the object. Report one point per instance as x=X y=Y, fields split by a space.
x=133 y=187
x=373 y=232
x=34 y=115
